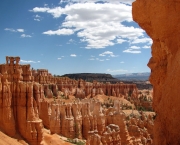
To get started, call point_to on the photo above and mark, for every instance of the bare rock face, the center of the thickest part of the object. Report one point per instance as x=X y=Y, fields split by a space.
x=160 y=19
x=19 y=102
x=55 y=118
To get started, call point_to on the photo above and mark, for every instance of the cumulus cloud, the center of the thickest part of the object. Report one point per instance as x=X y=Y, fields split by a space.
x=71 y=41
x=73 y=55
x=59 y=58
x=20 y=30
x=97 y=59
x=118 y=70
x=14 y=30
x=142 y=40
x=146 y=47
x=132 y=51
x=102 y=26
x=24 y=36
x=112 y=1
x=108 y=53
x=63 y=31
x=10 y=29
x=29 y=61
x=37 y=9
x=134 y=47
x=37 y=18
x=120 y=41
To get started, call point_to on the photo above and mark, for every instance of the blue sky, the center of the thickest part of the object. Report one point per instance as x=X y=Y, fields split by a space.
x=74 y=36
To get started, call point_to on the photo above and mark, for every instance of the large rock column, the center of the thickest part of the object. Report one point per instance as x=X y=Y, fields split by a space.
x=161 y=20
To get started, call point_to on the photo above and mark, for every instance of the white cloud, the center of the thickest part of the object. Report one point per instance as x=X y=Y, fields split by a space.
x=20 y=30
x=37 y=9
x=29 y=61
x=37 y=16
x=73 y=55
x=71 y=41
x=59 y=58
x=118 y=70
x=14 y=30
x=146 y=46
x=122 y=62
x=24 y=36
x=112 y=1
x=98 y=59
x=59 y=32
x=109 y=53
x=132 y=51
x=37 y=20
x=10 y=29
x=142 y=40
x=101 y=27
x=134 y=47
x=120 y=41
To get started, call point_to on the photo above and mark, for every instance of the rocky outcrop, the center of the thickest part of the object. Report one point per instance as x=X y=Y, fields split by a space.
x=20 y=101
x=160 y=19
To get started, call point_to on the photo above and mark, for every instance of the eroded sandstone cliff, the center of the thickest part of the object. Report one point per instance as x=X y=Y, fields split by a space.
x=160 y=19
x=31 y=100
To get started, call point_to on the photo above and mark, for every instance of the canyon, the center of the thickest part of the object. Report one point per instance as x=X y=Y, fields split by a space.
x=35 y=105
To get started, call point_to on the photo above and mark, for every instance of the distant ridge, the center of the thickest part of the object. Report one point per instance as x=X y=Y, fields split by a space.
x=100 y=77
x=140 y=79
x=133 y=76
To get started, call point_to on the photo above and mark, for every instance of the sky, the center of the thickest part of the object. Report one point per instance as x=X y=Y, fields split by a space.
x=74 y=36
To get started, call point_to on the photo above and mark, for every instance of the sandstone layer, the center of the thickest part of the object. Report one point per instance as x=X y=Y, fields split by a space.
x=160 y=19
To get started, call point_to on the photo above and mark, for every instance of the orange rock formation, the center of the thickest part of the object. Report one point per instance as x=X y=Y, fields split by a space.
x=19 y=101
x=160 y=19
x=25 y=108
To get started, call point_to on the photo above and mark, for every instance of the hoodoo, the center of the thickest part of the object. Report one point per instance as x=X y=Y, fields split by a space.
x=161 y=19
x=32 y=100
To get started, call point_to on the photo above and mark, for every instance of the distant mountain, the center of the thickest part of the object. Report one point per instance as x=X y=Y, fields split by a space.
x=100 y=77
x=133 y=76
x=140 y=79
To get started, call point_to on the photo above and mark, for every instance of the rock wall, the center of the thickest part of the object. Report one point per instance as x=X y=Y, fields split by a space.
x=20 y=101
x=160 y=19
